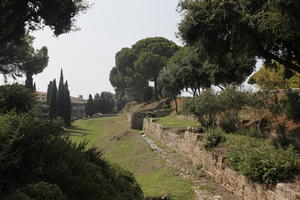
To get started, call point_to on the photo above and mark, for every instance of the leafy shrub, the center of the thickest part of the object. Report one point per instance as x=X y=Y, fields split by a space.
x=210 y=107
x=229 y=124
x=250 y=132
x=205 y=108
x=292 y=105
x=213 y=137
x=34 y=156
x=261 y=161
x=16 y=97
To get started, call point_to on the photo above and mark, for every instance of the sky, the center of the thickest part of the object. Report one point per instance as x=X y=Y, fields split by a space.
x=87 y=56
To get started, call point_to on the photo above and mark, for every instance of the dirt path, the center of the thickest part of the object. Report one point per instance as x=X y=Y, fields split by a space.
x=204 y=187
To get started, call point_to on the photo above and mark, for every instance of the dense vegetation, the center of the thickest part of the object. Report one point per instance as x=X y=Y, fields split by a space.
x=38 y=163
x=138 y=65
x=265 y=161
x=59 y=100
x=104 y=104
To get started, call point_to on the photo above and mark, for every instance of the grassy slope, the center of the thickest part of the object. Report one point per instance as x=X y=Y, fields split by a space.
x=124 y=146
x=176 y=122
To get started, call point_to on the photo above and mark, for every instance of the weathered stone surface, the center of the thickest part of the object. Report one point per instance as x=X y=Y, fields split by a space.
x=191 y=148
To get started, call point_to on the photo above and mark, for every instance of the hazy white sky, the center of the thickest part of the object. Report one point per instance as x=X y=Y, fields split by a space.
x=87 y=56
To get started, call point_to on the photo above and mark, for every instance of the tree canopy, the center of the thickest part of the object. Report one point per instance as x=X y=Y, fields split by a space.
x=244 y=29
x=272 y=78
x=140 y=64
x=17 y=17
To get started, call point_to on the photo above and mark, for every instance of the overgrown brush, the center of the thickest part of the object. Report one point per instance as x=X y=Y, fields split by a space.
x=213 y=137
x=36 y=162
x=261 y=161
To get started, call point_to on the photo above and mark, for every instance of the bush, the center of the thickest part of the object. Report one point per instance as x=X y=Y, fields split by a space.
x=16 y=97
x=210 y=107
x=34 y=157
x=229 y=124
x=213 y=137
x=205 y=107
x=292 y=106
x=250 y=132
x=261 y=161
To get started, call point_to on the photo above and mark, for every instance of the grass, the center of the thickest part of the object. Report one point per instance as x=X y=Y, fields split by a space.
x=176 y=122
x=126 y=147
x=207 y=188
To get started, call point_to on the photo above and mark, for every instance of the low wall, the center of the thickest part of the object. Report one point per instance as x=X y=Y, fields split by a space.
x=136 y=119
x=191 y=147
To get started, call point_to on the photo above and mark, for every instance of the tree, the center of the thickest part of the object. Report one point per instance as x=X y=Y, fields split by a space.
x=16 y=97
x=61 y=103
x=244 y=29
x=34 y=87
x=89 y=107
x=34 y=64
x=18 y=17
x=53 y=100
x=170 y=82
x=49 y=88
x=190 y=68
x=153 y=54
x=68 y=109
x=107 y=99
x=20 y=57
x=137 y=66
x=271 y=78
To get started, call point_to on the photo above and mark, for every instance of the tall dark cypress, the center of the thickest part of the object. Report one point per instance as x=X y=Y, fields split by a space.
x=49 y=92
x=34 y=87
x=68 y=108
x=89 y=107
x=53 y=101
x=61 y=103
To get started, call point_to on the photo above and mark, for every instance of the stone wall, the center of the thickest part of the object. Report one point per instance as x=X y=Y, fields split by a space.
x=191 y=147
x=136 y=119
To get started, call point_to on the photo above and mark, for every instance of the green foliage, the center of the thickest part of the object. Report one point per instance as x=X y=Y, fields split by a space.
x=52 y=100
x=250 y=132
x=68 y=109
x=104 y=103
x=260 y=161
x=18 y=17
x=137 y=66
x=16 y=97
x=61 y=103
x=242 y=30
x=205 y=107
x=228 y=124
x=213 y=137
x=292 y=105
x=36 y=162
x=89 y=107
x=273 y=77
x=210 y=107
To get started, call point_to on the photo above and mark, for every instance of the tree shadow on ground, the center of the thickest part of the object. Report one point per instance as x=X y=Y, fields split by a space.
x=76 y=131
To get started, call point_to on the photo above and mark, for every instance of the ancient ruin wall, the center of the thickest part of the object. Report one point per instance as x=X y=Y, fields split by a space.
x=190 y=146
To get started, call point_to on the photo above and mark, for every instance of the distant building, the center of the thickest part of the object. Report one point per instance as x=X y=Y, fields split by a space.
x=78 y=105
x=41 y=96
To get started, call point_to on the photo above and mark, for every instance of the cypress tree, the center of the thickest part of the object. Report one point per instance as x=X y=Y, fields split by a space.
x=53 y=101
x=89 y=107
x=68 y=108
x=49 y=92
x=61 y=103
x=34 y=87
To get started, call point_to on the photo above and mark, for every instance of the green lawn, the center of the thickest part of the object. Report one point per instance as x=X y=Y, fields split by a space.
x=176 y=122
x=126 y=147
